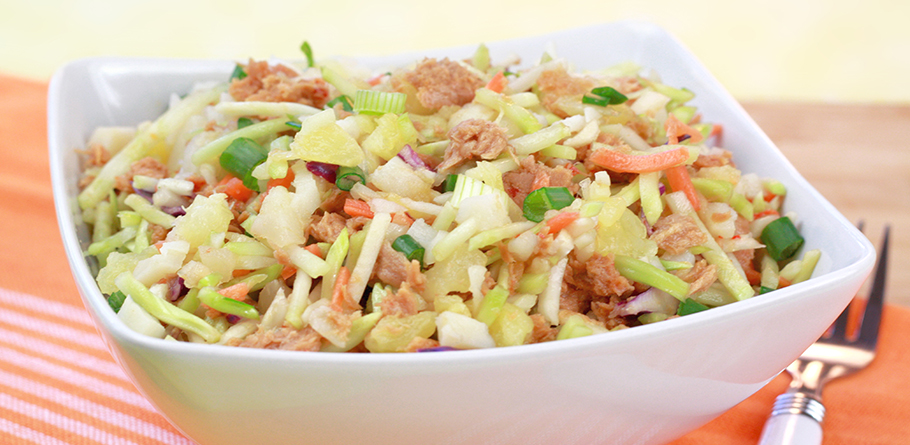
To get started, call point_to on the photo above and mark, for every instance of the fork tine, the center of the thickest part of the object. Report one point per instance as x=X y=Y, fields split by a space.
x=868 y=333
x=839 y=327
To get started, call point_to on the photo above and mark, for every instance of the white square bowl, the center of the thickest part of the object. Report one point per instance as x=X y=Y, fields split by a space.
x=645 y=385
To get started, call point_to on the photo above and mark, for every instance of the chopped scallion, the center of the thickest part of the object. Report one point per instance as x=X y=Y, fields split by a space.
x=346 y=103
x=781 y=238
x=690 y=306
x=546 y=198
x=411 y=249
x=244 y=122
x=241 y=157
x=115 y=300
x=451 y=180
x=238 y=73
x=379 y=102
x=293 y=124
x=604 y=96
x=346 y=177
x=308 y=52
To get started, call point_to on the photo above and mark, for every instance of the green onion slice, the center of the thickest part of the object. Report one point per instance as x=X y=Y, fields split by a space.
x=690 y=306
x=781 y=238
x=115 y=300
x=308 y=52
x=346 y=103
x=346 y=177
x=449 y=185
x=241 y=157
x=293 y=124
x=238 y=73
x=411 y=249
x=604 y=96
x=379 y=102
x=244 y=122
x=546 y=198
x=765 y=290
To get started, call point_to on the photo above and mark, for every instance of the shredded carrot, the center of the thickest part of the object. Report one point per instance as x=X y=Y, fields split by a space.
x=402 y=219
x=282 y=257
x=769 y=196
x=284 y=182
x=340 y=288
x=288 y=272
x=675 y=129
x=561 y=221
x=625 y=163
x=766 y=213
x=783 y=282
x=198 y=182
x=497 y=83
x=240 y=272
x=237 y=291
x=679 y=180
x=356 y=207
x=234 y=188
x=376 y=80
x=314 y=249
x=716 y=130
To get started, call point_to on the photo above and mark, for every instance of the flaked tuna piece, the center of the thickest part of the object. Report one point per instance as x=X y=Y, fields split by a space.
x=441 y=83
x=531 y=175
x=278 y=83
x=677 y=233
x=474 y=139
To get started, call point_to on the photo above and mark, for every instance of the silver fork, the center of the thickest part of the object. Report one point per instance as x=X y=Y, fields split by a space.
x=797 y=414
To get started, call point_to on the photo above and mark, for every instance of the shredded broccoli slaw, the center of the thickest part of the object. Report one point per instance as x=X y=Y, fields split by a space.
x=445 y=205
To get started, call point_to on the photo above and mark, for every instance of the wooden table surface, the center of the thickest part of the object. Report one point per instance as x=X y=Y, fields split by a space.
x=858 y=157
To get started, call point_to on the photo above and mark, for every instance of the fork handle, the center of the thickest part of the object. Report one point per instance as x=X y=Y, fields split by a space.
x=795 y=419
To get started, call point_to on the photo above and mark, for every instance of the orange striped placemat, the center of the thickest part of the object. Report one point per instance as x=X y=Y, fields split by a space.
x=59 y=383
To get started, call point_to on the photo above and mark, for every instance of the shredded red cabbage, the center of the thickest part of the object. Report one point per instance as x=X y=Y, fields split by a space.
x=144 y=193
x=323 y=170
x=438 y=349
x=174 y=210
x=644 y=220
x=651 y=300
x=409 y=156
x=176 y=289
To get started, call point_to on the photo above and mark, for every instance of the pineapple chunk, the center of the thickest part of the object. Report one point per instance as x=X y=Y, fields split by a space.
x=512 y=326
x=397 y=177
x=280 y=220
x=393 y=334
x=627 y=236
x=451 y=274
x=205 y=216
x=118 y=263
x=392 y=133
x=451 y=303
x=321 y=139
